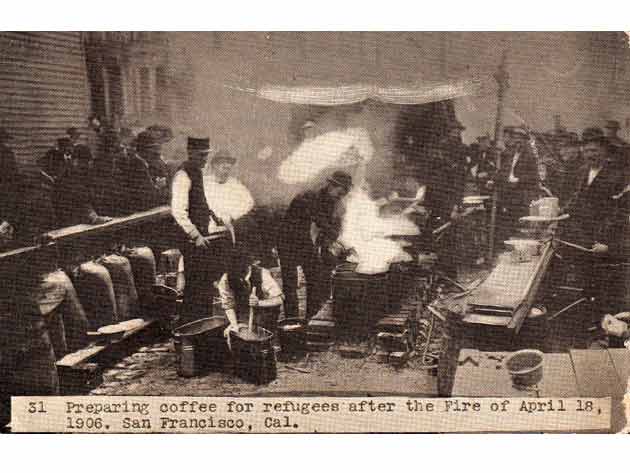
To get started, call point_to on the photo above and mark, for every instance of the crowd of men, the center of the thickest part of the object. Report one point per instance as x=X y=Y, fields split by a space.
x=588 y=175
x=75 y=184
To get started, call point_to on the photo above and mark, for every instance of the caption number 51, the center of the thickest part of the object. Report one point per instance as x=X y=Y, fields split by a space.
x=36 y=407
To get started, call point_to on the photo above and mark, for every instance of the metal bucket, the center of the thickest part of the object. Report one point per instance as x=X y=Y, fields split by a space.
x=200 y=346
x=292 y=336
x=359 y=300
x=254 y=356
x=525 y=367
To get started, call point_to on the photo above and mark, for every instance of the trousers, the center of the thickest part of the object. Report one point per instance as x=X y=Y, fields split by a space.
x=316 y=273
x=202 y=268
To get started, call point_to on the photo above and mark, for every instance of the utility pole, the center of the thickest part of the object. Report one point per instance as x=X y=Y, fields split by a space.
x=502 y=78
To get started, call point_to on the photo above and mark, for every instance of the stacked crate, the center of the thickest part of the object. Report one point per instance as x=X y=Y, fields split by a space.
x=396 y=333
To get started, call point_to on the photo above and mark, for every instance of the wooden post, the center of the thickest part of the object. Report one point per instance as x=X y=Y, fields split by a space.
x=501 y=76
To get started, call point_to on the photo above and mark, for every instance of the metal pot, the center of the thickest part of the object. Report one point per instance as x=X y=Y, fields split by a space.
x=525 y=367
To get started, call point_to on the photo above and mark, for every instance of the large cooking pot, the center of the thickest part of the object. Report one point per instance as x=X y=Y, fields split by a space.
x=200 y=346
x=359 y=300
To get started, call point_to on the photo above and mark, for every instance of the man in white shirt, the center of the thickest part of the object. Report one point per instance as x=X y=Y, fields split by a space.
x=227 y=196
x=205 y=243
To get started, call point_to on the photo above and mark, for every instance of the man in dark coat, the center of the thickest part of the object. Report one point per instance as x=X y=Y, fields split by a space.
x=143 y=189
x=592 y=213
x=9 y=188
x=206 y=257
x=563 y=177
x=483 y=163
x=446 y=179
x=78 y=149
x=297 y=247
x=74 y=198
x=517 y=181
x=58 y=160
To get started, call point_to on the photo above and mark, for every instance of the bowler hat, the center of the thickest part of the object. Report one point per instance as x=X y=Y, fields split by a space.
x=612 y=125
x=146 y=140
x=340 y=178
x=570 y=138
x=223 y=155
x=515 y=131
x=63 y=142
x=198 y=145
x=73 y=131
x=5 y=135
x=592 y=134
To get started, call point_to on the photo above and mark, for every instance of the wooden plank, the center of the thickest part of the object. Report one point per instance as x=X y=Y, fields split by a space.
x=85 y=230
x=495 y=320
x=621 y=362
x=80 y=356
x=85 y=354
x=532 y=292
x=596 y=376
x=558 y=376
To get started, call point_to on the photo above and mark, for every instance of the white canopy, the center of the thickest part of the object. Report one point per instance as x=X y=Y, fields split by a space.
x=355 y=93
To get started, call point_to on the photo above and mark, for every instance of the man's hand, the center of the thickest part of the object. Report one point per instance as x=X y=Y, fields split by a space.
x=201 y=242
x=230 y=328
x=336 y=249
x=599 y=248
x=253 y=300
x=6 y=231
x=160 y=182
x=613 y=326
x=101 y=219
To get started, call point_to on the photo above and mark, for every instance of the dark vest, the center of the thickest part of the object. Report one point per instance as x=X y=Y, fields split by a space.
x=198 y=210
x=242 y=290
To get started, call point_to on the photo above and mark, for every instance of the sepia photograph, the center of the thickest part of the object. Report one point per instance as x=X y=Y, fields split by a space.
x=314 y=231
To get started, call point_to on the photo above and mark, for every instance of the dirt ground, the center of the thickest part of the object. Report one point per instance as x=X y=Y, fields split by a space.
x=152 y=371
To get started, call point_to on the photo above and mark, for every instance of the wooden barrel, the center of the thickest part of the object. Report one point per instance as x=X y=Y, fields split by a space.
x=143 y=266
x=124 y=285
x=96 y=292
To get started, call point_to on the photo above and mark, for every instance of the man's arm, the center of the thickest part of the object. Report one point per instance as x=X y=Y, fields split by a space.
x=228 y=303
x=179 y=204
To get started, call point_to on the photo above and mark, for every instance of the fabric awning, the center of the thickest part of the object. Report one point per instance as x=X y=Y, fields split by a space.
x=354 y=93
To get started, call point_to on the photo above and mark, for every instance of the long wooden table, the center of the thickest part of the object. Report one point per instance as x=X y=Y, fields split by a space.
x=506 y=297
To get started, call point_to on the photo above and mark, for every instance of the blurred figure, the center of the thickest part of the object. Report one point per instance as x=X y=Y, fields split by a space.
x=58 y=160
x=142 y=189
x=517 y=181
x=483 y=164
x=9 y=189
x=446 y=179
x=78 y=149
x=74 y=198
x=563 y=173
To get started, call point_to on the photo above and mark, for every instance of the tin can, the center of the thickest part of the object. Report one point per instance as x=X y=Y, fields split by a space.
x=185 y=359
